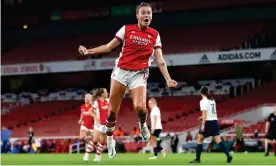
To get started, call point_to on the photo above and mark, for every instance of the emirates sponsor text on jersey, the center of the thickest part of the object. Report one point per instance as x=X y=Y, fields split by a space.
x=138 y=40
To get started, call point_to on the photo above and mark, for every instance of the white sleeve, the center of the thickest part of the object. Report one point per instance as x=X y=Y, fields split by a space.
x=120 y=35
x=203 y=105
x=158 y=43
x=155 y=111
x=96 y=107
x=107 y=100
x=158 y=112
x=95 y=104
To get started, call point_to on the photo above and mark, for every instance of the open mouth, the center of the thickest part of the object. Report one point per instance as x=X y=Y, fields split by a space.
x=146 y=20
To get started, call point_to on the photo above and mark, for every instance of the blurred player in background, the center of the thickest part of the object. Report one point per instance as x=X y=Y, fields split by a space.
x=87 y=118
x=31 y=136
x=209 y=126
x=270 y=130
x=140 y=45
x=100 y=104
x=156 y=129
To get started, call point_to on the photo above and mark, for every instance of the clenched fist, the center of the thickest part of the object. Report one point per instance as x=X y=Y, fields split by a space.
x=171 y=83
x=83 y=50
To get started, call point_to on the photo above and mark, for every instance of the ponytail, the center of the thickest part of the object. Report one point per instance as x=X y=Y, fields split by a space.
x=96 y=93
x=209 y=97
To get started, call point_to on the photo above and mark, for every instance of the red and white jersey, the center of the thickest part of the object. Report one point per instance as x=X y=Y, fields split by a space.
x=138 y=47
x=101 y=109
x=88 y=120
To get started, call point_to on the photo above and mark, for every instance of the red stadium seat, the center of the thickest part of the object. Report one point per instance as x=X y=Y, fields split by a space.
x=59 y=124
x=189 y=39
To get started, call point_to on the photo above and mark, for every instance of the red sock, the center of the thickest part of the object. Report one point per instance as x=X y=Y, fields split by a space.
x=91 y=146
x=100 y=149
x=110 y=127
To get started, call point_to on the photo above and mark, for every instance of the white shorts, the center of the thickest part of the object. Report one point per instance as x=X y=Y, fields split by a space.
x=100 y=128
x=86 y=129
x=129 y=78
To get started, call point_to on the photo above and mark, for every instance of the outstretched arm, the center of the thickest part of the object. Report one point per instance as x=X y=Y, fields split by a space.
x=101 y=49
x=163 y=68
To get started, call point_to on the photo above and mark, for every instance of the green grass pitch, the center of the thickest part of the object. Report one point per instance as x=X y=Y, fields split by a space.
x=136 y=159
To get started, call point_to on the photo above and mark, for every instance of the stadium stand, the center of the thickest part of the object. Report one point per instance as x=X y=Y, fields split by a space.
x=67 y=110
x=35 y=111
x=155 y=89
x=189 y=39
x=250 y=129
x=7 y=107
x=255 y=97
x=52 y=34
x=260 y=126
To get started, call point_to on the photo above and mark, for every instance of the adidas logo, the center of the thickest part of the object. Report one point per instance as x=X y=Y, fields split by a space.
x=204 y=59
x=273 y=55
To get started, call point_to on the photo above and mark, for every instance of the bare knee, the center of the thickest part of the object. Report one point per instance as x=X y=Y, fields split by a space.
x=200 y=139
x=95 y=139
x=140 y=106
x=82 y=137
x=96 y=136
x=102 y=141
x=217 y=139
x=153 y=141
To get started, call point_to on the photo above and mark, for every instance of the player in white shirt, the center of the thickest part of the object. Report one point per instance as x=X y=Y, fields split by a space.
x=156 y=129
x=209 y=126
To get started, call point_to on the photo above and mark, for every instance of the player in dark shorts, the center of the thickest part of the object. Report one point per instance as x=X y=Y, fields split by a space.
x=156 y=129
x=270 y=129
x=209 y=126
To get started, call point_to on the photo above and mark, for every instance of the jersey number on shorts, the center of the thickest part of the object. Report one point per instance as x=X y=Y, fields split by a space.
x=145 y=76
x=213 y=109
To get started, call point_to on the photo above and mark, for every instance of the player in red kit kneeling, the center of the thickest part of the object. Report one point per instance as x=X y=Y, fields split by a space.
x=141 y=44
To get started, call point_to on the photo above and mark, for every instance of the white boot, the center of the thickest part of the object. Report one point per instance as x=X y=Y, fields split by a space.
x=164 y=152
x=144 y=131
x=86 y=157
x=98 y=158
x=153 y=158
x=111 y=147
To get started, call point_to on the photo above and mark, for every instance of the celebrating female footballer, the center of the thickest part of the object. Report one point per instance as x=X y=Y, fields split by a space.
x=141 y=44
